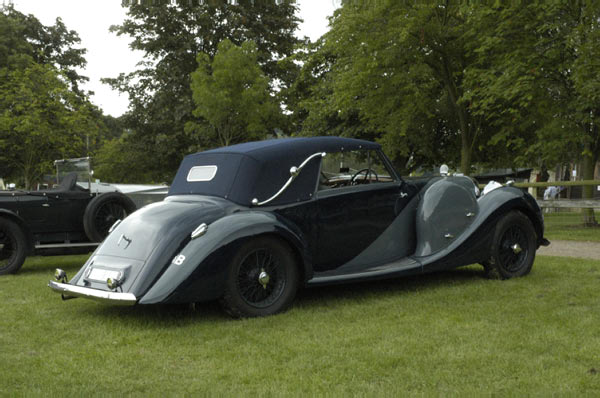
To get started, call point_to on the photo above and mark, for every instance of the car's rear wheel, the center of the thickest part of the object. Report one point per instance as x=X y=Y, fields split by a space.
x=262 y=279
x=514 y=247
x=13 y=247
x=103 y=211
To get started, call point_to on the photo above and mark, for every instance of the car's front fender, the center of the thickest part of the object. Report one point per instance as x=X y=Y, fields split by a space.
x=198 y=271
x=474 y=244
x=11 y=215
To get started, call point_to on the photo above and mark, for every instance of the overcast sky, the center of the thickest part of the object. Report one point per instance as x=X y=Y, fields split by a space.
x=108 y=55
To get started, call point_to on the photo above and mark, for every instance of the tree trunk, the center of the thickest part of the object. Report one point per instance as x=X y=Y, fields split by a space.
x=589 y=163
x=466 y=150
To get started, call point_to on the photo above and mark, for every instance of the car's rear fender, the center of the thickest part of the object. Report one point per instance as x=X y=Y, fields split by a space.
x=198 y=271
x=14 y=217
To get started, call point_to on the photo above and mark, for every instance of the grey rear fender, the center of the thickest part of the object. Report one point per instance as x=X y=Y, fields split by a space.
x=205 y=260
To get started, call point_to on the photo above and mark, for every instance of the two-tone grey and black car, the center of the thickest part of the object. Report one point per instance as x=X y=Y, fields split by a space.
x=249 y=224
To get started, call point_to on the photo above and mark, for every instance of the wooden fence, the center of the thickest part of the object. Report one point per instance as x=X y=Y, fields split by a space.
x=561 y=202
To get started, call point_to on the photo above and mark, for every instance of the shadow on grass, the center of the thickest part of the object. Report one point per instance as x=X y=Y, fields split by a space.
x=47 y=264
x=159 y=315
x=175 y=316
x=404 y=285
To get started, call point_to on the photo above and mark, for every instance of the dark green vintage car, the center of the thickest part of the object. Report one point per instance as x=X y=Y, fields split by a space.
x=74 y=215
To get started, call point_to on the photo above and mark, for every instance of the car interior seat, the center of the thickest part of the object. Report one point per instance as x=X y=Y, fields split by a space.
x=68 y=183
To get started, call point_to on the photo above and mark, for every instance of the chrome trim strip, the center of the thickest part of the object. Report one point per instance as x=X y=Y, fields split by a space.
x=115 y=225
x=71 y=291
x=294 y=172
x=55 y=245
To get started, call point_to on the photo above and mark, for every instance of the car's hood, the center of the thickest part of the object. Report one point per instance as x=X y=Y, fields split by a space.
x=143 y=244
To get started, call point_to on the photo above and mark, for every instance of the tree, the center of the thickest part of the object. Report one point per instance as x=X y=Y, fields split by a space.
x=43 y=113
x=543 y=92
x=24 y=38
x=498 y=84
x=395 y=71
x=171 y=36
x=232 y=97
x=41 y=120
x=112 y=162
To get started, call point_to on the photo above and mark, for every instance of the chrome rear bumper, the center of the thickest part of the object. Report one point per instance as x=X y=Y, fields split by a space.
x=70 y=291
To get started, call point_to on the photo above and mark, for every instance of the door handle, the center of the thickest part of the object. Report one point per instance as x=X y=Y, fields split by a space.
x=45 y=205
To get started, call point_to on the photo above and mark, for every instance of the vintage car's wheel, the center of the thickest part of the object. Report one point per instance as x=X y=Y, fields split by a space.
x=514 y=247
x=262 y=279
x=102 y=212
x=13 y=247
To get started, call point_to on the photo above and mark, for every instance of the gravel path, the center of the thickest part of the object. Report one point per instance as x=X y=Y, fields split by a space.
x=571 y=248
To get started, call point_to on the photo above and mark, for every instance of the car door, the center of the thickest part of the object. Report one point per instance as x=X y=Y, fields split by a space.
x=65 y=211
x=358 y=198
x=32 y=208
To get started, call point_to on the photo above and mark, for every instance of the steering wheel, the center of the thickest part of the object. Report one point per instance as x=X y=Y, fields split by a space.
x=367 y=171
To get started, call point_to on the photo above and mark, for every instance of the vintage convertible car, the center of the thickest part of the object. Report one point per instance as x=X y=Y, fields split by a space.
x=76 y=214
x=249 y=224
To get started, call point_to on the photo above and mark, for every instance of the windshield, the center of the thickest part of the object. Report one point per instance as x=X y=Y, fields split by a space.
x=358 y=167
x=81 y=166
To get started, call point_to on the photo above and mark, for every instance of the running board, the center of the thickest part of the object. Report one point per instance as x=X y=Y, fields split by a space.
x=397 y=268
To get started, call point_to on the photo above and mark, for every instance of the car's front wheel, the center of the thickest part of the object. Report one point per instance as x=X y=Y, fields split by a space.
x=514 y=247
x=12 y=247
x=262 y=279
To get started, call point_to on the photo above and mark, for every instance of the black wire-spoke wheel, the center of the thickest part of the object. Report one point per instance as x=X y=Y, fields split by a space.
x=515 y=243
x=108 y=213
x=103 y=211
x=513 y=248
x=12 y=247
x=262 y=280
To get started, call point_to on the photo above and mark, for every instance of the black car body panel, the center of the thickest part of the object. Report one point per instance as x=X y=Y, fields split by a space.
x=47 y=216
x=357 y=224
x=73 y=216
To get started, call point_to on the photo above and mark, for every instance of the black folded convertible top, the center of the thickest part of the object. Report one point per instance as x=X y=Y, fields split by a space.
x=259 y=169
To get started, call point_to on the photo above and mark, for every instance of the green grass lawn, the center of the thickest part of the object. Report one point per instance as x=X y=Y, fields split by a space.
x=569 y=226
x=447 y=333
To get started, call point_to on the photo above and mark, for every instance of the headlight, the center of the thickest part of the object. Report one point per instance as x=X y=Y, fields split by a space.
x=60 y=275
x=113 y=283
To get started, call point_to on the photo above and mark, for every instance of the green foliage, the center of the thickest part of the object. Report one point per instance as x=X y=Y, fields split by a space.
x=232 y=97
x=112 y=162
x=43 y=114
x=542 y=94
x=499 y=85
x=23 y=38
x=171 y=36
x=40 y=120
x=393 y=71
